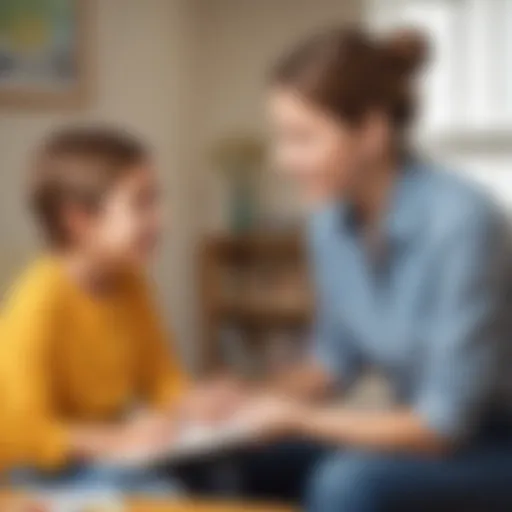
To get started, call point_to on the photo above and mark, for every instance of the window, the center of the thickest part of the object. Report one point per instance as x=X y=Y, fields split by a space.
x=467 y=89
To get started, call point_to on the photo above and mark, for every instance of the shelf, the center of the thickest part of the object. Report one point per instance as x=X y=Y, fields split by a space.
x=257 y=245
x=256 y=282
x=264 y=315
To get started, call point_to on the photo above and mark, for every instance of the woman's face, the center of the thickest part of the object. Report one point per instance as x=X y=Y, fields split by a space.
x=325 y=156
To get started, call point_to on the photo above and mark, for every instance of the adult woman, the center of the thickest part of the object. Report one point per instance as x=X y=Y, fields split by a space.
x=410 y=272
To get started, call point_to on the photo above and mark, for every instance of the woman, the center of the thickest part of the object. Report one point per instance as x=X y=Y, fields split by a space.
x=410 y=274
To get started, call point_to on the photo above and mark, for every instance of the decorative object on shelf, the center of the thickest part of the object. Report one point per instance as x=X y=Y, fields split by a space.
x=240 y=159
x=44 y=57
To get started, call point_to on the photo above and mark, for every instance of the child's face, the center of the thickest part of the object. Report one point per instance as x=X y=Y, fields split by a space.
x=127 y=226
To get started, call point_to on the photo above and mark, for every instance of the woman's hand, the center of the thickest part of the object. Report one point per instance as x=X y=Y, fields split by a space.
x=272 y=416
x=213 y=401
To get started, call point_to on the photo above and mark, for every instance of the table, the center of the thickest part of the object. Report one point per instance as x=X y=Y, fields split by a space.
x=204 y=506
x=7 y=501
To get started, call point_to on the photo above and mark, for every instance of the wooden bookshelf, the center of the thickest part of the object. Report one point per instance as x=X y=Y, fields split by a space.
x=256 y=282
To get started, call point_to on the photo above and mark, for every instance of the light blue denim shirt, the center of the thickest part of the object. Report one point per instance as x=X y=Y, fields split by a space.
x=431 y=311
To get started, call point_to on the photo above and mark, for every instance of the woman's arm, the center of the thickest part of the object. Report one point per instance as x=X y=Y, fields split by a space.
x=305 y=381
x=461 y=365
x=396 y=430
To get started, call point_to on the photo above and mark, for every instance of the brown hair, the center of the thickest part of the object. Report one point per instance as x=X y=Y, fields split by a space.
x=349 y=73
x=78 y=166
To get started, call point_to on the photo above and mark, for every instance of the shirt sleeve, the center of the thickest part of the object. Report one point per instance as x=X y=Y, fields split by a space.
x=332 y=350
x=163 y=377
x=35 y=433
x=331 y=344
x=466 y=333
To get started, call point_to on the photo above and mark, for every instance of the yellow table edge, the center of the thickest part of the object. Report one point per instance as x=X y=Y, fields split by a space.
x=10 y=501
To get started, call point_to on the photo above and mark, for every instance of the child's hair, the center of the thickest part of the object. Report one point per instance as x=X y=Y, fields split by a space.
x=349 y=72
x=78 y=166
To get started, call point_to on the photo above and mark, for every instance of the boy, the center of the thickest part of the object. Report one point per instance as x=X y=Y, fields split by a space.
x=81 y=343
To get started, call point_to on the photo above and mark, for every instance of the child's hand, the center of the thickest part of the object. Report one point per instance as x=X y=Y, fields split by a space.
x=149 y=430
x=147 y=434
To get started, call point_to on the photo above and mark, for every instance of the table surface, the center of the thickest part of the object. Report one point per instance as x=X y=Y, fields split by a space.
x=9 y=502
x=204 y=506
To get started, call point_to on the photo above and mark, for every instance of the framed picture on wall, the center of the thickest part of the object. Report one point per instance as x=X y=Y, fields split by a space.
x=45 y=52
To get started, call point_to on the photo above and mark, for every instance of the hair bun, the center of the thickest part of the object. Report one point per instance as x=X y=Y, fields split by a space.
x=411 y=49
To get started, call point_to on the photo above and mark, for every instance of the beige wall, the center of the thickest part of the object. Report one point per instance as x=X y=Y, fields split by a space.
x=240 y=39
x=142 y=83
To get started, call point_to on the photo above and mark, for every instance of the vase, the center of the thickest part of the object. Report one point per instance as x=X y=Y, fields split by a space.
x=242 y=205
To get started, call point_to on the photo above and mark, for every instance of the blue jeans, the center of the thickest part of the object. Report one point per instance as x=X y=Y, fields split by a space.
x=364 y=482
x=478 y=479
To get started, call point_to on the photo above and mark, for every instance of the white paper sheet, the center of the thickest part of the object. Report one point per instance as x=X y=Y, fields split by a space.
x=195 y=441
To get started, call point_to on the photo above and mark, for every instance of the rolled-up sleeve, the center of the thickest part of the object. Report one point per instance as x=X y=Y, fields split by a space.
x=332 y=351
x=466 y=336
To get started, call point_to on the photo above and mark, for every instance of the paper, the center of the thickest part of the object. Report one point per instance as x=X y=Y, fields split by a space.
x=196 y=440
x=62 y=501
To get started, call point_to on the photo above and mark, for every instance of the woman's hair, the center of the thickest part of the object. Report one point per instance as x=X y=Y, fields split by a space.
x=349 y=73
x=78 y=166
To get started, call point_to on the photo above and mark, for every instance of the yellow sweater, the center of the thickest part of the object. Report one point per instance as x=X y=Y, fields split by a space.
x=13 y=449
x=68 y=358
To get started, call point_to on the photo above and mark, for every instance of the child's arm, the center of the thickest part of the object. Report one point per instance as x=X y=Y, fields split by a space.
x=30 y=318
x=42 y=438
x=96 y=442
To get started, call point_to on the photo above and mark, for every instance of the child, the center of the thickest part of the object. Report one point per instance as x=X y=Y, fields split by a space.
x=81 y=342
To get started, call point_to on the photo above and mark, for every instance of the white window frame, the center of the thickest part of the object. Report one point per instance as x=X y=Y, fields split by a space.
x=476 y=82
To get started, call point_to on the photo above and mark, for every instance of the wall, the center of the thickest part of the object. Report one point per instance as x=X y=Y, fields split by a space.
x=239 y=41
x=143 y=79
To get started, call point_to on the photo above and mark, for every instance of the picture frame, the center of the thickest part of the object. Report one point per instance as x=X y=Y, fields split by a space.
x=45 y=53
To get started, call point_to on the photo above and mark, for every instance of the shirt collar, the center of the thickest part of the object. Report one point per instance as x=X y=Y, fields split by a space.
x=401 y=220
